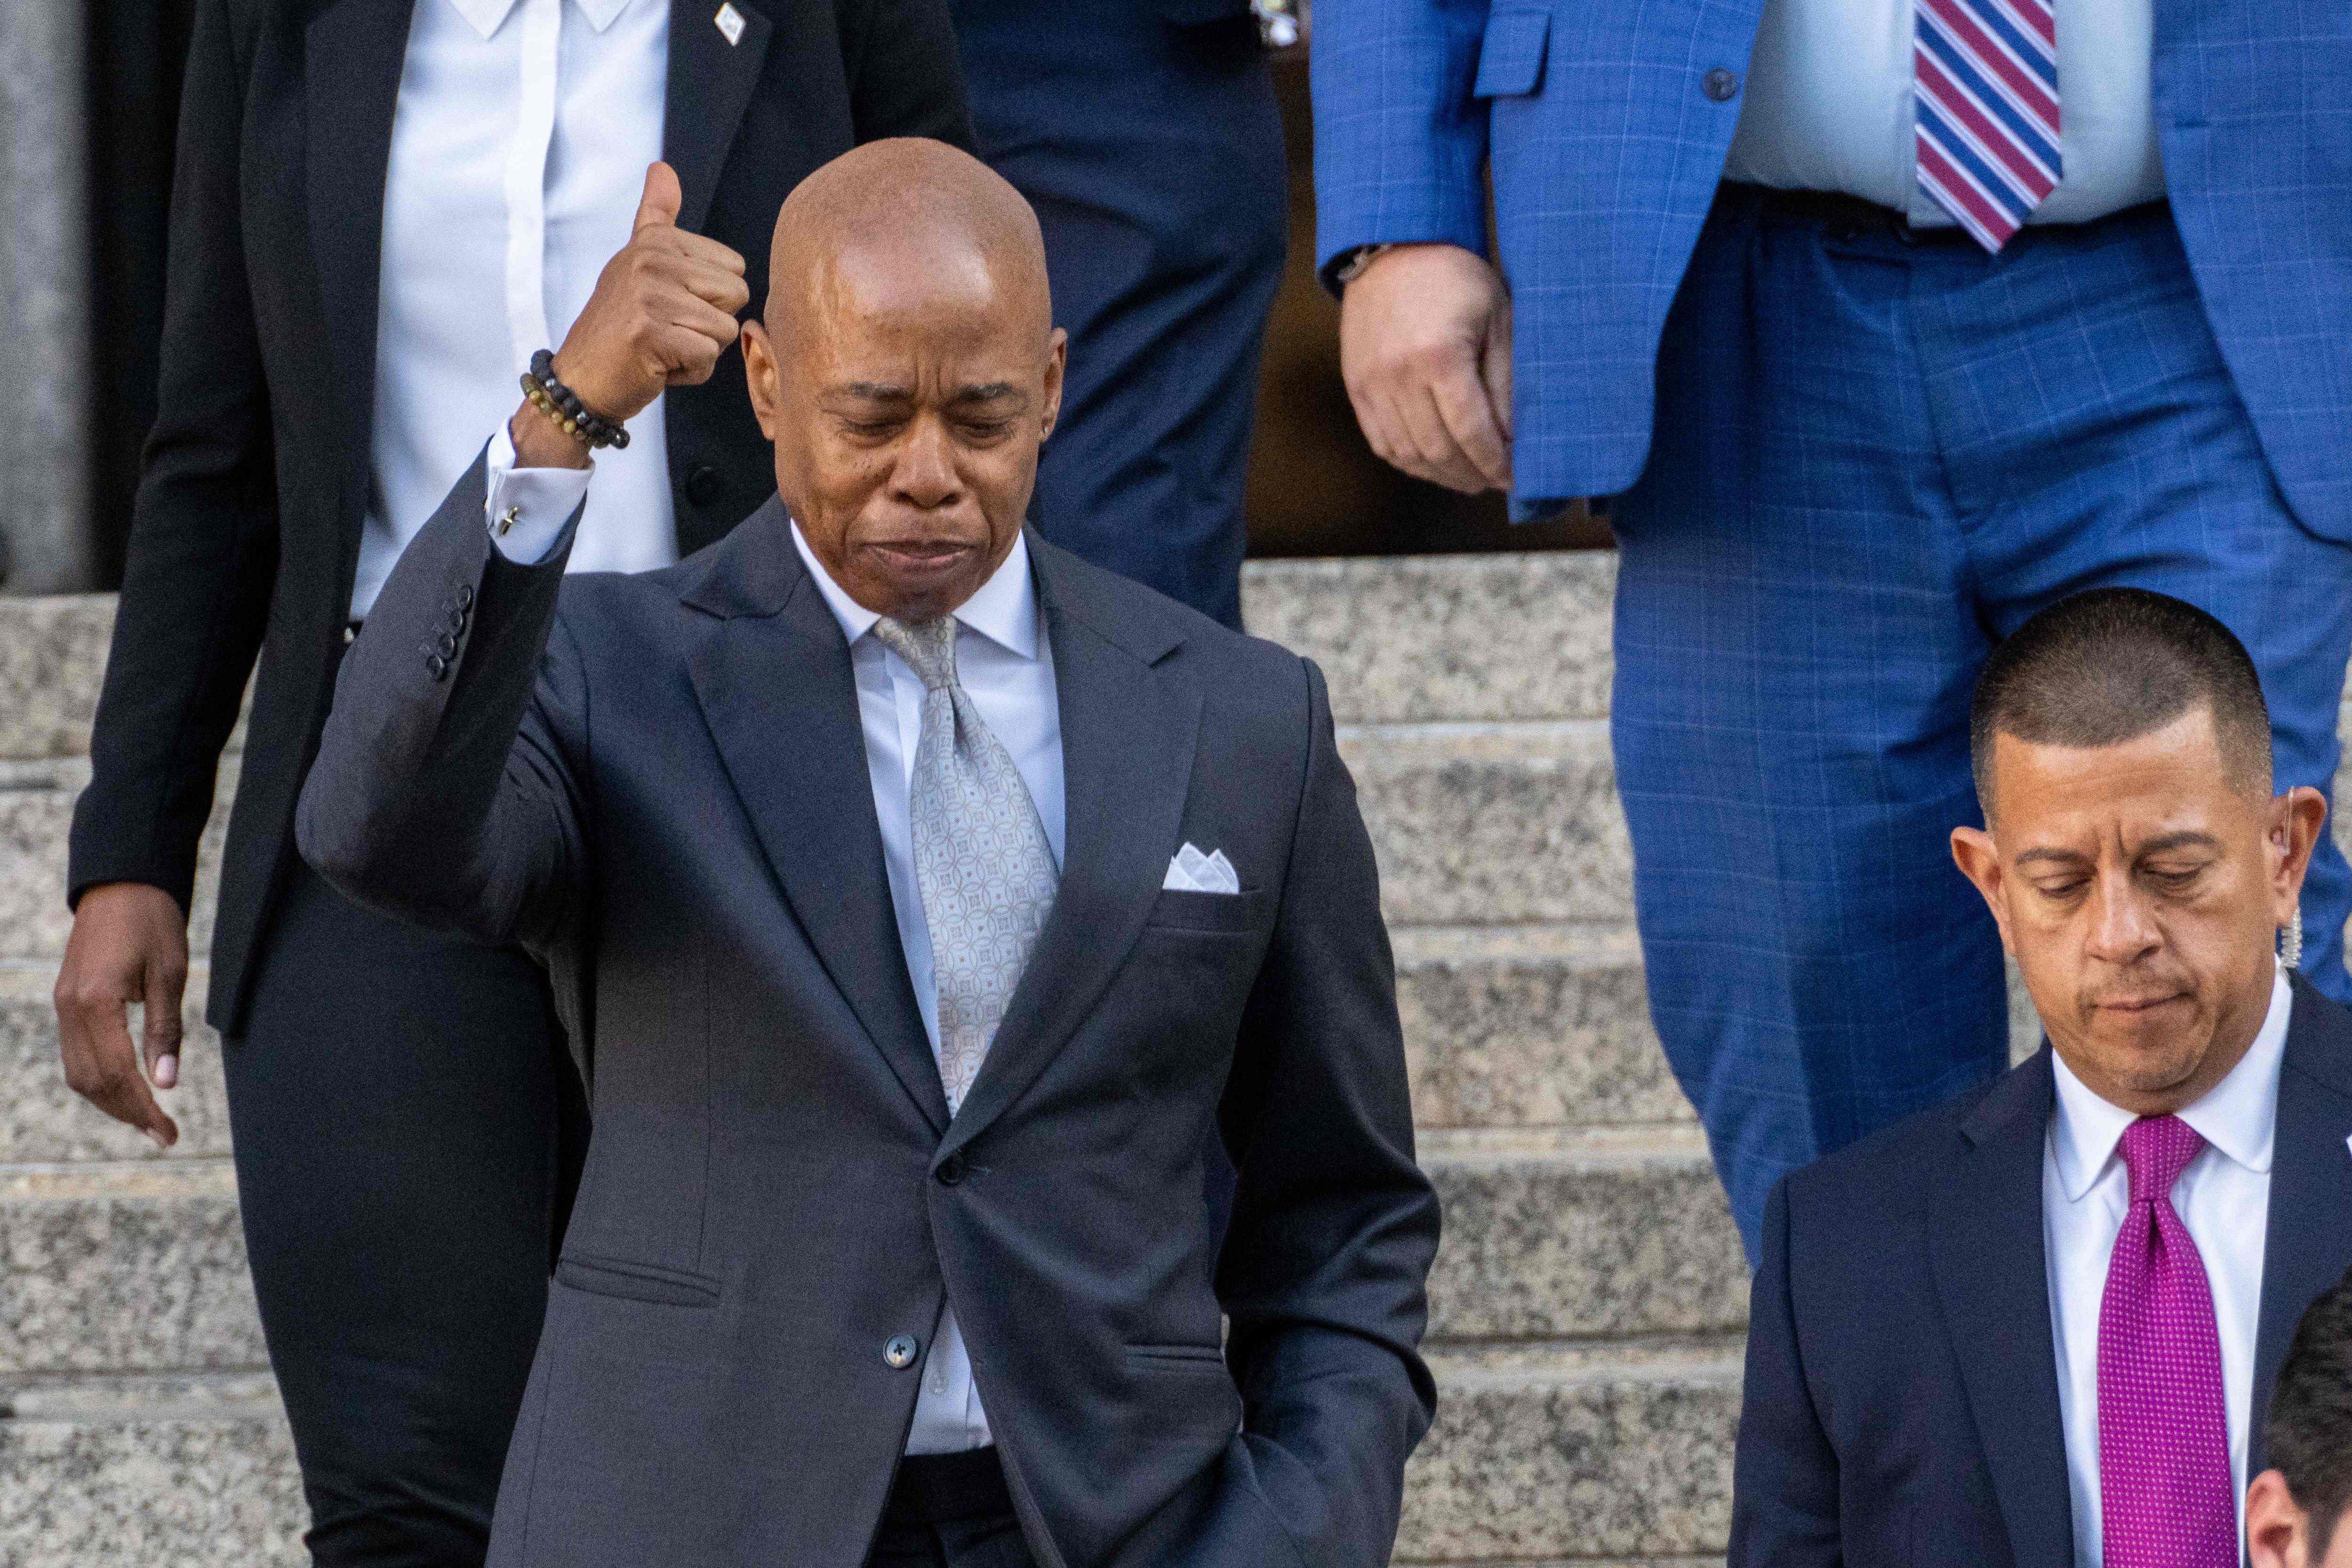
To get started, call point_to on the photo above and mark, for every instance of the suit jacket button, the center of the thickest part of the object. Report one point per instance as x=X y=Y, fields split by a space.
x=953 y=1168
x=447 y=645
x=1720 y=84
x=899 y=1353
x=436 y=666
x=704 y=484
x=465 y=595
x=456 y=621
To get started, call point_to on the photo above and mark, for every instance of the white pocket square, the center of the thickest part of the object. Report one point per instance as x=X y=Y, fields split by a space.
x=1190 y=871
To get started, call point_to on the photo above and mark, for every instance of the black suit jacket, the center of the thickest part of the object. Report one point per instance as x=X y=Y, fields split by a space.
x=245 y=535
x=1902 y=1400
x=671 y=803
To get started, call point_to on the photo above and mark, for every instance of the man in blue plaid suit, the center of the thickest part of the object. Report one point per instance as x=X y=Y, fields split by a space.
x=1883 y=324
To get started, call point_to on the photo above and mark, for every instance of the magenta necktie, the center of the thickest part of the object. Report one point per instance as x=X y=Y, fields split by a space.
x=1985 y=74
x=2165 y=1496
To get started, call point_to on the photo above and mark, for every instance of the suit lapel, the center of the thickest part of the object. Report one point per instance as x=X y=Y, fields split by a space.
x=1128 y=737
x=710 y=83
x=2307 y=1241
x=1986 y=1244
x=352 y=56
x=775 y=681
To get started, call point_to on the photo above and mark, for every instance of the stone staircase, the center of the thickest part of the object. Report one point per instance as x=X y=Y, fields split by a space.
x=1587 y=1305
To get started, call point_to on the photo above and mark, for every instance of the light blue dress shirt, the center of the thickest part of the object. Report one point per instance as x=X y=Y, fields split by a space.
x=1828 y=107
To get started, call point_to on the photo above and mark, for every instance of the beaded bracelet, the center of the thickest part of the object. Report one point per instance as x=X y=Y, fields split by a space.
x=561 y=404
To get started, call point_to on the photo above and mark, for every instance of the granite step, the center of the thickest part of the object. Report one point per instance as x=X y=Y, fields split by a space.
x=1539 y=1455
x=1513 y=1026
x=140 y=1266
x=130 y=1266
x=130 y=1472
x=1533 y=1026
x=1401 y=639
x=1580 y=1233
x=1473 y=824
x=1612 y=1452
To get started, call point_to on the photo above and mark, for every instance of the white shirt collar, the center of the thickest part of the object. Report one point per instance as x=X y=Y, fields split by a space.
x=487 y=16
x=1003 y=610
x=2237 y=1116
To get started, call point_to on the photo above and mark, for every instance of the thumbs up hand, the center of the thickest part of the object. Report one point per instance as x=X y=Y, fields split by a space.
x=662 y=312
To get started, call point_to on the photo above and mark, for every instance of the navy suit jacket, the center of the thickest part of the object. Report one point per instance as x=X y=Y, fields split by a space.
x=1901 y=1399
x=657 y=784
x=1606 y=145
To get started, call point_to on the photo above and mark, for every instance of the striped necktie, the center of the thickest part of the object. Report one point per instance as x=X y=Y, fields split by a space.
x=1987 y=79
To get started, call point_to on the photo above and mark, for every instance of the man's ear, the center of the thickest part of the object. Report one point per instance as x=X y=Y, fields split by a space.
x=2277 y=1533
x=1979 y=858
x=759 y=376
x=2297 y=818
x=1057 y=358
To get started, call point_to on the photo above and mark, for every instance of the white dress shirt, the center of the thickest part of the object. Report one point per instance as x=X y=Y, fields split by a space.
x=1828 y=107
x=2224 y=1200
x=520 y=143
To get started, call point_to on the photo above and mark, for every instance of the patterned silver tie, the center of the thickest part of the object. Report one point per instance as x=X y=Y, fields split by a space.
x=986 y=872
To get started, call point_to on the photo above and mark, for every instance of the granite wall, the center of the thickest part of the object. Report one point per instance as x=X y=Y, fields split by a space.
x=45 y=546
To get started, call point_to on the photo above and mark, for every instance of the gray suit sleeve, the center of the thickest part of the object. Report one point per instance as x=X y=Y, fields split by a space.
x=444 y=790
x=1334 y=1225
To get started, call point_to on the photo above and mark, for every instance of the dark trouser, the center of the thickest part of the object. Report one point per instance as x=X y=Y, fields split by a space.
x=407 y=1131
x=949 y=1510
x=1878 y=453
x=1153 y=154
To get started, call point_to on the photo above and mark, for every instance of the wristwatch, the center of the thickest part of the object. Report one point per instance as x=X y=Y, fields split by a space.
x=1351 y=270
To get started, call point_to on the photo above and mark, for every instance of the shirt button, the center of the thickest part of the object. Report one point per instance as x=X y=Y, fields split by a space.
x=952 y=1170
x=1720 y=84
x=350 y=635
x=899 y=1353
x=704 y=484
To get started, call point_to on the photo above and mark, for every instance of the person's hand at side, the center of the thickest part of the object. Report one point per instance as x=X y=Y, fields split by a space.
x=1425 y=351
x=662 y=312
x=130 y=943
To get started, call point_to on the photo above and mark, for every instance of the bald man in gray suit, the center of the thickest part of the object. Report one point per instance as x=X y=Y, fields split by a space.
x=922 y=900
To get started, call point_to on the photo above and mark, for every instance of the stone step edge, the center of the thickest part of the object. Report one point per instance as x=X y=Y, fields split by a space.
x=251 y=1394
x=1378 y=745
x=1563 y=1151
x=1583 y=945
x=1534 y=1365
x=113 y=1399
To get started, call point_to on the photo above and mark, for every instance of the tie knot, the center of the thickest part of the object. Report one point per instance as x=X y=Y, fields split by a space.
x=927 y=646
x=2157 y=1149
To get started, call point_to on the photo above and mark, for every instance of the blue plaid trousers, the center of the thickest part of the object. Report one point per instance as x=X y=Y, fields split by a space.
x=1874 y=457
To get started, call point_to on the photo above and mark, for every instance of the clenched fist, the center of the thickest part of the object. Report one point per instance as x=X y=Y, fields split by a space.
x=663 y=312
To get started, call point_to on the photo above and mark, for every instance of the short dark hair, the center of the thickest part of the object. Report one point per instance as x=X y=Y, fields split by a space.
x=2110 y=665
x=2308 y=1437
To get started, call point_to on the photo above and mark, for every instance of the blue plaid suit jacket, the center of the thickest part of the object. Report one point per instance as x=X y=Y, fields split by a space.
x=1605 y=148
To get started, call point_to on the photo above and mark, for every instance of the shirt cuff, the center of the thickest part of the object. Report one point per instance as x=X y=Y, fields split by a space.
x=527 y=508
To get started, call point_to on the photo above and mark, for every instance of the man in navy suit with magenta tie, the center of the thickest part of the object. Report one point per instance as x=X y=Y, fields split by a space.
x=2039 y=1327
x=1883 y=324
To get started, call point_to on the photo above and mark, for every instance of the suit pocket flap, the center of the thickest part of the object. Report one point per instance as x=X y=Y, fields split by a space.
x=636 y=1281
x=1511 y=62
x=1178 y=909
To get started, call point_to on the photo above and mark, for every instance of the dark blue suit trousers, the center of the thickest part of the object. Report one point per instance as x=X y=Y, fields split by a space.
x=1148 y=139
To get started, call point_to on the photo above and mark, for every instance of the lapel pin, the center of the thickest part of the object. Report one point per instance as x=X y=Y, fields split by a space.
x=730 y=22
